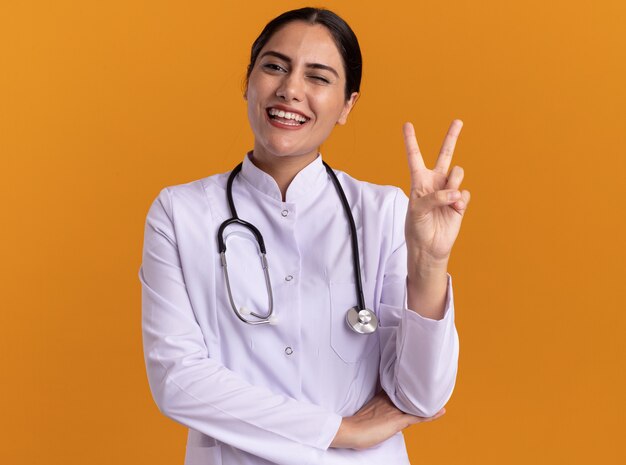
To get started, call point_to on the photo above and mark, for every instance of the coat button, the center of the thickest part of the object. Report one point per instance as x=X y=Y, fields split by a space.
x=288 y=278
x=288 y=350
x=285 y=212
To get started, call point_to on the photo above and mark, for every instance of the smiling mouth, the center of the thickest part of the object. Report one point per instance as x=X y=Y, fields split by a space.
x=287 y=118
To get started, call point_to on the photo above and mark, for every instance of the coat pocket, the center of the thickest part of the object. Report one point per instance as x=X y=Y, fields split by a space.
x=350 y=346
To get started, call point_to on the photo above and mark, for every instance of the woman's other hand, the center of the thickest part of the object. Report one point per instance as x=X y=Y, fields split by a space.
x=375 y=422
x=436 y=203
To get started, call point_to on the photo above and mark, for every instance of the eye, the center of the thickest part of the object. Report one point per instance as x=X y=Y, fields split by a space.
x=321 y=79
x=273 y=67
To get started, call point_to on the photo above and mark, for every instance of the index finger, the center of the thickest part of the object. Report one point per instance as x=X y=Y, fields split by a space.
x=416 y=162
x=447 y=148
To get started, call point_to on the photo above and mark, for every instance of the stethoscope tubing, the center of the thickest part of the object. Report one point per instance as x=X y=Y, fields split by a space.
x=358 y=318
x=355 y=243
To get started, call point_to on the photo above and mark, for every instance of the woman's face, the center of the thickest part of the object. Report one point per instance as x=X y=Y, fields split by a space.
x=296 y=92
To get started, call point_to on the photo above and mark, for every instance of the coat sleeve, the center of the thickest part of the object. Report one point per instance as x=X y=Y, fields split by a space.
x=419 y=356
x=197 y=391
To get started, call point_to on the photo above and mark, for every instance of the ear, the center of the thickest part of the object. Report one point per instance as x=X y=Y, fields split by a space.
x=347 y=108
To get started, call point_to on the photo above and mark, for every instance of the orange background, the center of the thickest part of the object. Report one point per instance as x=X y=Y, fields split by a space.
x=104 y=103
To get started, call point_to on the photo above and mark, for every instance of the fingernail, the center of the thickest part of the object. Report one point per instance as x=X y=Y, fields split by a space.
x=454 y=195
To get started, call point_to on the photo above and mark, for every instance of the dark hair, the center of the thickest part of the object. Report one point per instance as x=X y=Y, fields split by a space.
x=344 y=37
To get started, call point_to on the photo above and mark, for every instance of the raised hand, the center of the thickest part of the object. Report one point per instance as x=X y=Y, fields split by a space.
x=436 y=205
x=375 y=422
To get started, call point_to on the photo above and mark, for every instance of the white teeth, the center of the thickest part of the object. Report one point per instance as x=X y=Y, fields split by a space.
x=287 y=115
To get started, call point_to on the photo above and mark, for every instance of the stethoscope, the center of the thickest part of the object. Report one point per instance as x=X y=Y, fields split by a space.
x=359 y=319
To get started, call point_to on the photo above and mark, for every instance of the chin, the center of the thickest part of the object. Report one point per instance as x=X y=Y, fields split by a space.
x=284 y=150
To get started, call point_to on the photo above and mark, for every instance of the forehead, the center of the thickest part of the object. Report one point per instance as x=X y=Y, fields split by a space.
x=306 y=43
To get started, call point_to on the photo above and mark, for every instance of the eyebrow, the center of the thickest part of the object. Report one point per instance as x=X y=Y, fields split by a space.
x=308 y=65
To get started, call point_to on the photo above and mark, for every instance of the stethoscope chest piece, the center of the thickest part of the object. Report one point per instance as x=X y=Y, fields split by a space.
x=361 y=321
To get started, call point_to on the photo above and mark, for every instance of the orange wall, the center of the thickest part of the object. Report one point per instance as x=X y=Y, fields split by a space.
x=104 y=103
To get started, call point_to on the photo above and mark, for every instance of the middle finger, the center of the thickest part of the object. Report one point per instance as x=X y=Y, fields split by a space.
x=447 y=148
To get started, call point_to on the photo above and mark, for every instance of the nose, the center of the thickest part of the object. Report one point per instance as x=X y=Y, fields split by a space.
x=291 y=88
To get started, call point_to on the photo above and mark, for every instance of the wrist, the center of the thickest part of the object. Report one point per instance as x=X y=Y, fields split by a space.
x=342 y=438
x=426 y=287
x=420 y=281
x=422 y=264
x=425 y=253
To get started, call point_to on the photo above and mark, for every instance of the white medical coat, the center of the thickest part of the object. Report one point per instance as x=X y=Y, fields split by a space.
x=277 y=393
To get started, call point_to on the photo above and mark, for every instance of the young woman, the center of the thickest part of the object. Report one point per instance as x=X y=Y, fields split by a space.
x=291 y=313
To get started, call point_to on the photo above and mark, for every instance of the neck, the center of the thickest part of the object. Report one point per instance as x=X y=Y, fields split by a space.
x=282 y=169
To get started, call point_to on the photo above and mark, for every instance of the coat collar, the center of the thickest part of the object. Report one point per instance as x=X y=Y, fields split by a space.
x=310 y=180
